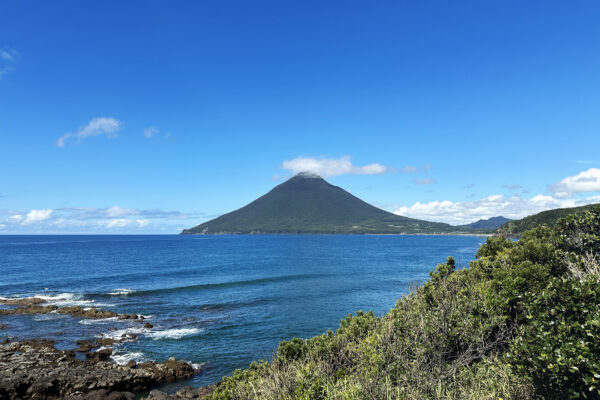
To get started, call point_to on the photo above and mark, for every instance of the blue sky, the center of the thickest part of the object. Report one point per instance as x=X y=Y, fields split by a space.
x=125 y=117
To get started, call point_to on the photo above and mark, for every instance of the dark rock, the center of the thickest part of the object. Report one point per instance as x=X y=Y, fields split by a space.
x=100 y=355
x=28 y=309
x=91 y=313
x=121 y=396
x=158 y=395
x=128 y=316
x=34 y=369
x=131 y=364
x=148 y=325
x=32 y=306
x=84 y=346
x=27 y=301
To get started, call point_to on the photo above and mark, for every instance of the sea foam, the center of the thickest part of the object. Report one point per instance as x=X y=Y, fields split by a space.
x=121 y=292
x=124 y=358
x=173 y=333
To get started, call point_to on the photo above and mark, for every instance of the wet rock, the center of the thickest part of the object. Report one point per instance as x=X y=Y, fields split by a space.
x=131 y=364
x=148 y=325
x=34 y=369
x=186 y=392
x=102 y=394
x=100 y=355
x=2 y=326
x=28 y=309
x=128 y=316
x=158 y=395
x=84 y=346
x=27 y=301
x=91 y=313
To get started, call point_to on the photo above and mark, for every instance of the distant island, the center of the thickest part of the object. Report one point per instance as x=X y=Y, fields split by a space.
x=306 y=203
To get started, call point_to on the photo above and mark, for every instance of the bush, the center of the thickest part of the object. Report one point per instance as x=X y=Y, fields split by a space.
x=521 y=322
x=560 y=346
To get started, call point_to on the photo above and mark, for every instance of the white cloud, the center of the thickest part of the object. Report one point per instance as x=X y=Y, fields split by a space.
x=15 y=218
x=97 y=126
x=35 y=216
x=117 y=211
x=142 y=222
x=115 y=223
x=8 y=58
x=513 y=207
x=585 y=181
x=329 y=167
x=150 y=132
x=96 y=220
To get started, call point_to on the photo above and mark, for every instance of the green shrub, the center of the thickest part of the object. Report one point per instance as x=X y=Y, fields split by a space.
x=560 y=346
x=522 y=322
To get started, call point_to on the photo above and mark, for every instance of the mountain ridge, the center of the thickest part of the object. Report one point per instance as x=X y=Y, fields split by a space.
x=489 y=223
x=306 y=203
x=548 y=217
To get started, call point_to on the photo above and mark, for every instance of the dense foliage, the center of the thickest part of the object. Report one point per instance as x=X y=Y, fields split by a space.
x=549 y=218
x=308 y=204
x=522 y=322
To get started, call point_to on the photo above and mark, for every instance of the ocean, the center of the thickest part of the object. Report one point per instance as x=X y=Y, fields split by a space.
x=217 y=301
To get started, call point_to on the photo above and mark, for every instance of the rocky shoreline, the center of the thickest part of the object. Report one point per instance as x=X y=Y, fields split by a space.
x=35 y=369
x=35 y=305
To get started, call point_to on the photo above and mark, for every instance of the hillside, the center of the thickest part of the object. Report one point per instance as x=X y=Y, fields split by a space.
x=492 y=223
x=521 y=323
x=550 y=218
x=306 y=203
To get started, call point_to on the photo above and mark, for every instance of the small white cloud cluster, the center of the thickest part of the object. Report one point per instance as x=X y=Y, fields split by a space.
x=113 y=219
x=8 y=58
x=97 y=126
x=585 y=181
x=464 y=212
x=328 y=167
x=32 y=217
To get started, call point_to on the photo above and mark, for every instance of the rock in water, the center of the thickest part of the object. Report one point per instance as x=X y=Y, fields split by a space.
x=34 y=369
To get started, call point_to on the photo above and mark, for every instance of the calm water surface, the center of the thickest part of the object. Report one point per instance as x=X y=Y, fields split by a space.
x=220 y=301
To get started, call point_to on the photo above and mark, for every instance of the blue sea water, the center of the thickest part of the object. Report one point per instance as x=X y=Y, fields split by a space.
x=219 y=301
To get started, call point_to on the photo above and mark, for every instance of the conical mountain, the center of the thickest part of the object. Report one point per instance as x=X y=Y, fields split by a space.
x=307 y=203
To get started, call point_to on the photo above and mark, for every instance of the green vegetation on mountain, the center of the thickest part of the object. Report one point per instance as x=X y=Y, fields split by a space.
x=306 y=203
x=486 y=224
x=549 y=218
x=522 y=322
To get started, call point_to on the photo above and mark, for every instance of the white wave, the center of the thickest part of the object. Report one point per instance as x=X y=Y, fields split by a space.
x=121 y=292
x=196 y=365
x=47 y=317
x=97 y=321
x=56 y=297
x=69 y=299
x=61 y=300
x=121 y=333
x=124 y=358
x=173 y=333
